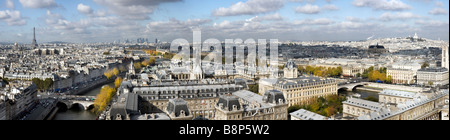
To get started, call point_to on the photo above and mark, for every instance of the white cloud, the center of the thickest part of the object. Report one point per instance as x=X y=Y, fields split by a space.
x=320 y=21
x=314 y=9
x=133 y=9
x=38 y=3
x=330 y=7
x=393 y=5
x=398 y=16
x=12 y=18
x=250 y=7
x=438 y=11
x=432 y=23
x=10 y=4
x=308 y=9
x=272 y=17
x=85 y=9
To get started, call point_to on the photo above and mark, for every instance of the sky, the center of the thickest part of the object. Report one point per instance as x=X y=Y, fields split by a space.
x=89 y=21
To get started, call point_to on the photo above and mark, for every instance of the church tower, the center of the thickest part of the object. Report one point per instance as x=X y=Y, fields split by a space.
x=131 y=70
x=290 y=70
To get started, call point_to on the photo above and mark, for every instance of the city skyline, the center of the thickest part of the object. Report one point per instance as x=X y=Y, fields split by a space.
x=89 y=21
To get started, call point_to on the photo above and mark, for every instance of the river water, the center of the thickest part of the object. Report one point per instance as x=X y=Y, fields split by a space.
x=363 y=93
x=80 y=114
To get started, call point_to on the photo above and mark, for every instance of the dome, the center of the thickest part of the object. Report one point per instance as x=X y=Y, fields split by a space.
x=290 y=65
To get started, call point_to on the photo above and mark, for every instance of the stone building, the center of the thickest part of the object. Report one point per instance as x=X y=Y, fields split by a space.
x=246 y=105
x=15 y=102
x=445 y=57
x=402 y=76
x=354 y=107
x=177 y=109
x=438 y=76
x=428 y=106
x=290 y=70
x=301 y=89
x=395 y=96
x=199 y=96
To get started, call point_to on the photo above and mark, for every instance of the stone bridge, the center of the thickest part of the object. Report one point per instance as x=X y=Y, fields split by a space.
x=352 y=86
x=70 y=101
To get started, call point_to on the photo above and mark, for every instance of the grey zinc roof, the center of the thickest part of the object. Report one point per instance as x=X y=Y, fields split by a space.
x=131 y=104
x=363 y=103
x=228 y=101
x=398 y=93
x=251 y=97
x=176 y=105
x=307 y=115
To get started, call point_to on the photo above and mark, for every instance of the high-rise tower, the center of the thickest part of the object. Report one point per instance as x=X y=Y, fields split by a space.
x=34 y=44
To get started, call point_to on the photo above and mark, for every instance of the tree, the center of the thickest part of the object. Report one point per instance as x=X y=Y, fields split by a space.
x=425 y=65
x=371 y=98
x=118 y=81
x=330 y=110
x=389 y=79
x=115 y=72
x=108 y=74
x=103 y=98
x=430 y=83
x=254 y=88
x=301 y=69
x=48 y=82
x=138 y=65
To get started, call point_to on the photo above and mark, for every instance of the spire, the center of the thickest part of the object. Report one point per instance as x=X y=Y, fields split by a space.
x=34 y=44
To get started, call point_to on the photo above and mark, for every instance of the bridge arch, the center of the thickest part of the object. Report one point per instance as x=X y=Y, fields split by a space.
x=350 y=87
x=77 y=106
x=62 y=106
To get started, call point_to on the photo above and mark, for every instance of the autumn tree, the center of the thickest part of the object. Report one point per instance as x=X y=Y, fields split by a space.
x=118 y=81
x=115 y=72
x=103 y=98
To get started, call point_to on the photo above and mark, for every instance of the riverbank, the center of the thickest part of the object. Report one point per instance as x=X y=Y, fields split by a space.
x=370 y=89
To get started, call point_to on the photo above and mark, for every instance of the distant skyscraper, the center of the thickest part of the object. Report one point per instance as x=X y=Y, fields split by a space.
x=34 y=44
x=156 y=40
x=445 y=57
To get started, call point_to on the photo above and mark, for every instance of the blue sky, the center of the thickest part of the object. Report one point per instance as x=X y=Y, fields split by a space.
x=83 y=21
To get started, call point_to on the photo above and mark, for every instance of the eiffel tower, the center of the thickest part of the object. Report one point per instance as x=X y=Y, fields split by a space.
x=34 y=44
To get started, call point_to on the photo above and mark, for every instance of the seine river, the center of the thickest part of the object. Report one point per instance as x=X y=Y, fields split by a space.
x=79 y=114
x=363 y=93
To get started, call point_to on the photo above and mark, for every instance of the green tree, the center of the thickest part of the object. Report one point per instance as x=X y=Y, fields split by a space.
x=48 y=83
x=430 y=83
x=389 y=79
x=371 y=98
x=425 y=65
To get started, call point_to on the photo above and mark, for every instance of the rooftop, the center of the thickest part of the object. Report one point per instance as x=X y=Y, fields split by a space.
x=307 y=115
x=363 y=103
x=440 y=69
x=398 y=93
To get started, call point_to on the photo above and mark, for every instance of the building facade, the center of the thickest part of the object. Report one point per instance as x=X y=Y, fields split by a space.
x=445 y=57
x=401 y=76
x=354 y=107
x=429 y=106
x=300 y=90
x=436 y=76
x=395 y=96
x=246 y=105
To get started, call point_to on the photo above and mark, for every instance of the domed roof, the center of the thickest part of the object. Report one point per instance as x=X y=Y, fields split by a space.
x=290 y=65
